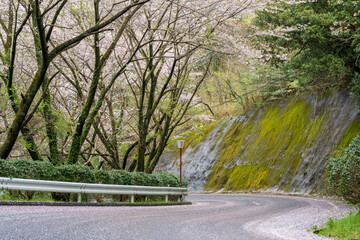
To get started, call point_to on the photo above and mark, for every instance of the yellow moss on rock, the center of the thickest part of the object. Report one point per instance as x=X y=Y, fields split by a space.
x=351 y=132
x=195 y=137
x=256 y=153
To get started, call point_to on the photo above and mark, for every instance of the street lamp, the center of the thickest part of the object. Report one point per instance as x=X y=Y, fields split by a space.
x=180 y=144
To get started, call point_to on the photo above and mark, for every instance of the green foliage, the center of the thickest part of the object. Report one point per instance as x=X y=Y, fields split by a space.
x=185 y=183
x=8 y=195
x=144 y=179
x=75 y=173
x=355 y=88
x=122 y=177
x=315 y=43
x=35 y=170
x=7 y=169
x=347 y=228
x=140 y=178
x=344 y=173
x=103 y=177
x=170 y=180
x=154 y=180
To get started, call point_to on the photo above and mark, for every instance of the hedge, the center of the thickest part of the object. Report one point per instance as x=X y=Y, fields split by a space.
x=7 y=169
x=76 y=173
x=39 y=170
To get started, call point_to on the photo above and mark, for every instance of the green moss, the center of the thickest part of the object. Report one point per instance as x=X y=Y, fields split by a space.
x=351 y=132
x=257 y=153
x=195 y=137
x=252 y=176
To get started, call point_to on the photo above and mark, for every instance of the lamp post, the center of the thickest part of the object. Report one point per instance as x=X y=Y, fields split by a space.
x=180 y=144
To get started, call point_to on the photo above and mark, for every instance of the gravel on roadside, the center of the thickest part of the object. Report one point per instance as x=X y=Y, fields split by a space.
x=296 y=224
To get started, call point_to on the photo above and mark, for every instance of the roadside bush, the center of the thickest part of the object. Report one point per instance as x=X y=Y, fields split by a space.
x=169 y=180
x=344 y=173
x=28 y=169
x=122 y=177
x=104 y=177
x=185 y=183
x=75 y=173
x=7 y=169
x=141 y=179
x=155 y=180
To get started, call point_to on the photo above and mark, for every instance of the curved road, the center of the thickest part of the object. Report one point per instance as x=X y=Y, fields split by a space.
x=210 y=217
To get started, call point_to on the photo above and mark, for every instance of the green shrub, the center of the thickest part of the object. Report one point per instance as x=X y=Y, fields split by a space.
x=155 y=180
x=76 y=173
x=141 y=179
x=29 y=169
x=169 y=180
x=344 y=173
x=185 y=183
x=122 y=177
x=7 y=169
x=355 y=88
x=103 y=177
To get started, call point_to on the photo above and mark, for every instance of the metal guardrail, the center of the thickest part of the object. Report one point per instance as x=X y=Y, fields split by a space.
x=80 y=188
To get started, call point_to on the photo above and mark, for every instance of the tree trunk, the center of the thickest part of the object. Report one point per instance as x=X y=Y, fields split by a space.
x=78 y=136
x=50 y=127
x=20 y=116
x=48 y=114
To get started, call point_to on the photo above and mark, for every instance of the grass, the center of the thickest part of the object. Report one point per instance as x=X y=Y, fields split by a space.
x=347 y=228
x=20 y=196
x=37 y=197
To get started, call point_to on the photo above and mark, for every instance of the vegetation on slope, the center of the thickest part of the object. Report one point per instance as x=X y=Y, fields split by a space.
x=269 y=147
x=344 y=172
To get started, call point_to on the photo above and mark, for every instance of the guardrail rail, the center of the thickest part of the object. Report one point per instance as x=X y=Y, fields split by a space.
x=82 y=188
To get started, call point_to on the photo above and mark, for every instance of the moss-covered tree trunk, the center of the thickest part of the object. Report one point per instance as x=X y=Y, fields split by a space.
x=51 y=132
x=47 y=103
x=10 y=47
x=144 y=120
x=20 y=117
x=87 y=117
x=78 y=136
x=29 y=141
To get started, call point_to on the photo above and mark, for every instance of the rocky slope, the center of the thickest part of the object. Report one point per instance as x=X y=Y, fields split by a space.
x=282 y=147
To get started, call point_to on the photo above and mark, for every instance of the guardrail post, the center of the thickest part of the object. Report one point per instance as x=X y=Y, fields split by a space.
x=85 y=188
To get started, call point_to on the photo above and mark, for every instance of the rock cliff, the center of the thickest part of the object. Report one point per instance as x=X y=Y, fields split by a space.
x=281 y=147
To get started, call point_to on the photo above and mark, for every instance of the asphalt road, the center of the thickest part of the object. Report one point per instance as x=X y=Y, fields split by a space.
x=210 y=217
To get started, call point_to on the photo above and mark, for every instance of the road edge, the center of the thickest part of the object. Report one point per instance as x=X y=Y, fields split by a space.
x=77 y=204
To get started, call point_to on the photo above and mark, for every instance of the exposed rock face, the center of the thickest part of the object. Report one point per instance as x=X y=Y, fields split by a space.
x=283 y=147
